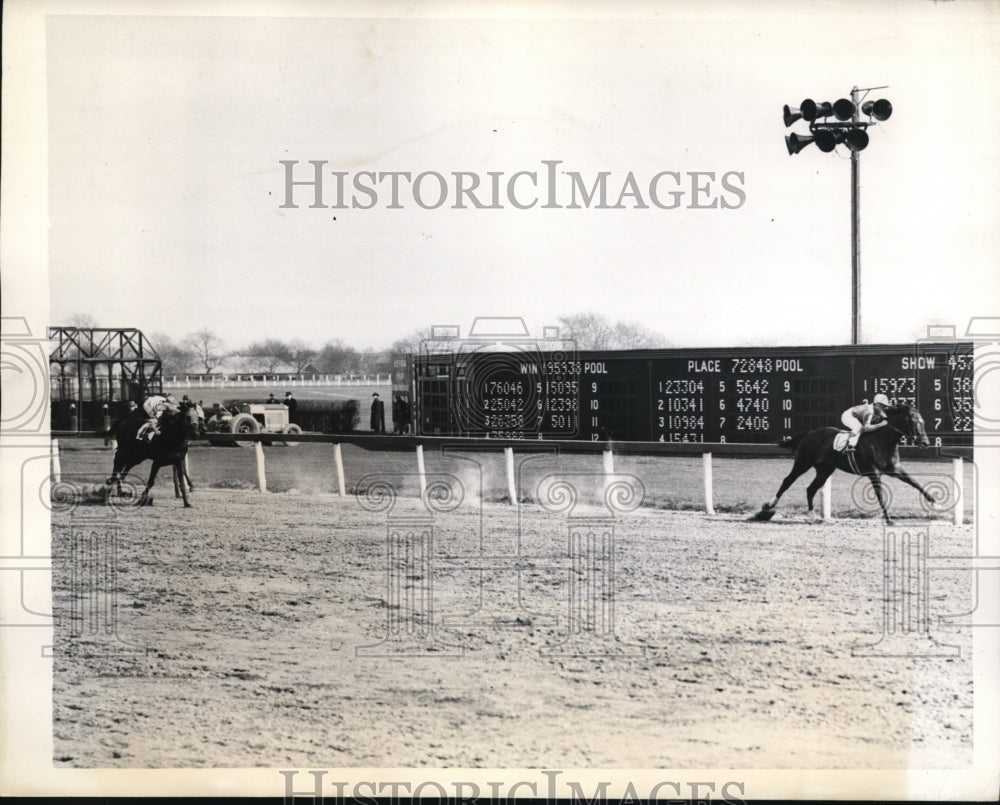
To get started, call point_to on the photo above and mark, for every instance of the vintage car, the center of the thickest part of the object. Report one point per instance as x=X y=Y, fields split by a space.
x=251 y=418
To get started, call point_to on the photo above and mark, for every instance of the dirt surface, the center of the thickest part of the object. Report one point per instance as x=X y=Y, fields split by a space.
x=306 y=630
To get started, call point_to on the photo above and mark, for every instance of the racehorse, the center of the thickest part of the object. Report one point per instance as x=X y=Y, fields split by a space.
x=877 y=452
x=169 y=446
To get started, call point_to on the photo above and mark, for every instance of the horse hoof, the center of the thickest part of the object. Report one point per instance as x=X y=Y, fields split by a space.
x=188 y=506
x=890 y=522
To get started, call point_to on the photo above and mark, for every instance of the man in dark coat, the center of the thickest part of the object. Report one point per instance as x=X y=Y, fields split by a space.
x=292 y=404
x=378 y=414
x=401 y=415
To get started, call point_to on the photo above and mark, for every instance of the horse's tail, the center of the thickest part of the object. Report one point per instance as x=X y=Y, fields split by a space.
x=791 y=442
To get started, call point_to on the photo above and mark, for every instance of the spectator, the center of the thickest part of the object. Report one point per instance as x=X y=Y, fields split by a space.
x=378 y=414
x=401 y=415
x=292 y=405
x=271 y=399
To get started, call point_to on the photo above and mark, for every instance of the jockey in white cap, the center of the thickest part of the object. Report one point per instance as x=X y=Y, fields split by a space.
x=865 y=418
x=154 y=406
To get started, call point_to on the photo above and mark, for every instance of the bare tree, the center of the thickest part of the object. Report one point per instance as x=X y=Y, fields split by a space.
x=418 y=341
x=301 y=354
x=174 y=358
x=629 y=335
x=594 y=331
x=207 y=348
x=270 y=353
x=337 y=358
x=587 y=330
x=375 y=361
x=83 y=321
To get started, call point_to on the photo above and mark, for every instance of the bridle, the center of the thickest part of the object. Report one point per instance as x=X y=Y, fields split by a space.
x=906 y=433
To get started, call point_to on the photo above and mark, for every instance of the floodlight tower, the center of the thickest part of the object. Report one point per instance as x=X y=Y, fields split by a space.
x=850 y=131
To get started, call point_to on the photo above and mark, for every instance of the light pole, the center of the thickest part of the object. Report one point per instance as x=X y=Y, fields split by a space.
x=848 y=130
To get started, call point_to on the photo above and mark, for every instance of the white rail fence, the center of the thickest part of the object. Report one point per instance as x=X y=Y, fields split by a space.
x=608 y=467
x=283 y=381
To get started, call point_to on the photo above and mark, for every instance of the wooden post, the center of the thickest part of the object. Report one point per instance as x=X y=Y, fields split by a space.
x=261 y=477
x=827 y=493
x=706 y=463
x=421 y=473
x=56 y=467
x=338 y=459
x=958 y=472
x=508 y=453
x=608 y=461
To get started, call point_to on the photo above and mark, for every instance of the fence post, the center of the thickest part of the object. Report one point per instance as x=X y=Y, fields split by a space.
x=828 y=499
x=261 y=477
x=706 y=463
x=958 y=472
x=421 y=474
x=338 y=459
x=508 y=453
x=608 y=461
x=56 y=467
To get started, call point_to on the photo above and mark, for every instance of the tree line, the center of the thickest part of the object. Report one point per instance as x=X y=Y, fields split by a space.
x=204 y=351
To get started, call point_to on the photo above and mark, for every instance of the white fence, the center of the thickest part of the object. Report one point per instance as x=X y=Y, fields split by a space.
x=954 y=500
x=283 y=380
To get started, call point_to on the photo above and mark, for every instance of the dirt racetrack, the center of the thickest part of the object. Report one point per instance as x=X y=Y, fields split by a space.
x=299 y=629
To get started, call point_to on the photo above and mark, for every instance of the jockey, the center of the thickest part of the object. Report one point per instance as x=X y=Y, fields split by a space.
x=865 y=418
x=154 y=407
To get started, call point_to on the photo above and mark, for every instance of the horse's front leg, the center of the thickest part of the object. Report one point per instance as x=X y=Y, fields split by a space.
x=904 y=476
x=145 y=499
x=880 y=494
x=179 y=476
x=823 y=472
x=185 y=474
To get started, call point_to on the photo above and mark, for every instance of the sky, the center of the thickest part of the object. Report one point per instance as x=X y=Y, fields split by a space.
x=166 y=188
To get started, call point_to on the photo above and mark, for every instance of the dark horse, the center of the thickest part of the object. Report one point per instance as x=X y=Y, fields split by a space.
x=169 y=446
x=877 y=452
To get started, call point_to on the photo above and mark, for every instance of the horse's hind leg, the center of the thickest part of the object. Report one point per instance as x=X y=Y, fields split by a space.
x=118 y=470
x=798 y=468
x=823 y=471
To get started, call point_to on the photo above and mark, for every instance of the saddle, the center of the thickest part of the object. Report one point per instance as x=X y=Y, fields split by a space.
x=840 y=440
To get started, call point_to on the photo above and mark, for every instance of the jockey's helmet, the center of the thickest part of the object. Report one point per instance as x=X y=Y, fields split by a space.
x=880 y=399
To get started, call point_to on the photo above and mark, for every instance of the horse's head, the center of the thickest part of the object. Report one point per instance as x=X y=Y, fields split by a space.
x=185 y=417
x=909 y=422
x=195 y=423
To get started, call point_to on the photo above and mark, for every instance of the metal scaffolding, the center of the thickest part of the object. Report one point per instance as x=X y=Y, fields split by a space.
x=95 y=371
